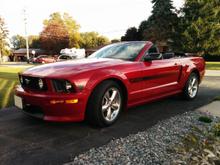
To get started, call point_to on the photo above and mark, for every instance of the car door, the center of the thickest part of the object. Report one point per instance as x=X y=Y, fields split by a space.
x=160 y=76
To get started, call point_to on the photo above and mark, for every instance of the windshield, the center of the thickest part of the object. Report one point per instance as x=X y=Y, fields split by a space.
x=123 y=51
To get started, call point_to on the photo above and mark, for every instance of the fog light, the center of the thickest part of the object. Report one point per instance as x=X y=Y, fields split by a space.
x=73 y=101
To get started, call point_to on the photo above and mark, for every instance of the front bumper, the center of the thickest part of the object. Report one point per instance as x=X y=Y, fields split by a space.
x=52 y=106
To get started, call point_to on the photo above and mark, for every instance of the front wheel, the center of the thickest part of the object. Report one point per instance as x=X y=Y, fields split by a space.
x=191 y=88
x=105 y=104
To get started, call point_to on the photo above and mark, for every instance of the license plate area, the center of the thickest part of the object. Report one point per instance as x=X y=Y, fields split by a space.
x=18 y=102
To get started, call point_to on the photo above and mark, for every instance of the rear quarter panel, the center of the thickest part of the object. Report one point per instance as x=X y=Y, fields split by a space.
x=190 y=64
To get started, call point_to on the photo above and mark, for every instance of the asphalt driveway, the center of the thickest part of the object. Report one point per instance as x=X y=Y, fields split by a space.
x=24 y=140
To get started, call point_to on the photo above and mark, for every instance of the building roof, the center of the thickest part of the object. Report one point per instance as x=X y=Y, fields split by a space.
x=24 y=50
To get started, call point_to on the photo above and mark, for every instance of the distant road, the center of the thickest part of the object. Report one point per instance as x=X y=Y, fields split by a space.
x=212 y=73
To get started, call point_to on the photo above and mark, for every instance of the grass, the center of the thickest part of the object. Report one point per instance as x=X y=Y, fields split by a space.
x=8 y=80
x=213 y=65
x=217 y=98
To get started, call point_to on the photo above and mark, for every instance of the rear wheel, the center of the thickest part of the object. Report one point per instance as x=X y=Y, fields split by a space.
x=192 y=86
x=105 y=104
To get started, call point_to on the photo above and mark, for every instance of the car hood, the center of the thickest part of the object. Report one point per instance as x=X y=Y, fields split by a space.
x=71 y=67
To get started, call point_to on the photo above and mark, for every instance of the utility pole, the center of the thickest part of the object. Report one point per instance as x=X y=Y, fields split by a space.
x=26 y=35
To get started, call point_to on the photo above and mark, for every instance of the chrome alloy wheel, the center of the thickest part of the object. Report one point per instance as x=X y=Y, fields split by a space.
x=111 y=104
x=193 y=87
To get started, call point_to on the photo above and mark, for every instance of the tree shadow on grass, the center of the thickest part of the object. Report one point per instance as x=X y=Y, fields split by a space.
x=7 y=84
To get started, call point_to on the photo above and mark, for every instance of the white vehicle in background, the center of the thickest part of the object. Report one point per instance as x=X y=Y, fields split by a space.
x=70 y=54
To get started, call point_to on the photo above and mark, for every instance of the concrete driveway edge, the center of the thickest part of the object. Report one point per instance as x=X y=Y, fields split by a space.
x=212 y=108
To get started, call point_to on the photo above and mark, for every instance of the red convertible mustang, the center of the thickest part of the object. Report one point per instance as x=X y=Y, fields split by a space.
x=114 y=78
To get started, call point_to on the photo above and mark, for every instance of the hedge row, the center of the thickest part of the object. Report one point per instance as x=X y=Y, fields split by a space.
x=211 y=57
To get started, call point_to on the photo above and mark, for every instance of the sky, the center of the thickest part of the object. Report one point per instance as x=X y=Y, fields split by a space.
x=107 y=17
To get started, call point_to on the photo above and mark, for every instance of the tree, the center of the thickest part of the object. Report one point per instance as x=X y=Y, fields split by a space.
x=70 y=24
x=142 y=27
x=54 y=17
x=3 y=38
x=115 y=40
x=92 y=40
x=73 y=30
x=201 y=26
x=34 y=41
x=19 y=41
x=161 y=25
x=131 y=35
x=54 y=36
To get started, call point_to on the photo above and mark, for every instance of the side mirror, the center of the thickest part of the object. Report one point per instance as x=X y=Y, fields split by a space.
x=152 y=56
x=148 y=58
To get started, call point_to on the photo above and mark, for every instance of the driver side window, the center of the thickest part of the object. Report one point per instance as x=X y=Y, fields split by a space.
x=153 y=54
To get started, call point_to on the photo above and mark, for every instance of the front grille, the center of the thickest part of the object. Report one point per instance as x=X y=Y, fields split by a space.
x=32 y=83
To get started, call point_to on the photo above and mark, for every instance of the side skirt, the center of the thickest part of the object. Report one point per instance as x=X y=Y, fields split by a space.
x=153 y=99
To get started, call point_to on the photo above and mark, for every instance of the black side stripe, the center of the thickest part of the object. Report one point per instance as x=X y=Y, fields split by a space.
x=139 y=79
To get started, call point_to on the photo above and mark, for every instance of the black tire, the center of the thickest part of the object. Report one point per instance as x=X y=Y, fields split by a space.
x=94 y=113
x=186 y=91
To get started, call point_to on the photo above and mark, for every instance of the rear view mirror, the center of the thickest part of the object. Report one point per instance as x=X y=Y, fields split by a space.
x=153 y=56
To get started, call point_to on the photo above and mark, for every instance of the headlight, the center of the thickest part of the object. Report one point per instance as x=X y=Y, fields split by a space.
x=68 y=86
x=40 y=83
x=62 y=86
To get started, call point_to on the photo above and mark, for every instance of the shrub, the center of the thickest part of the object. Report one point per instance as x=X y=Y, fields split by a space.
x=198 y=147
x=216 y=129
x=205 y=119
x=211 y=57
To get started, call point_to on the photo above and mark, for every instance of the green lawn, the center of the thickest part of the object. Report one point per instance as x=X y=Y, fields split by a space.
x=8 y=80
x=217 y=98
x=213 y=65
